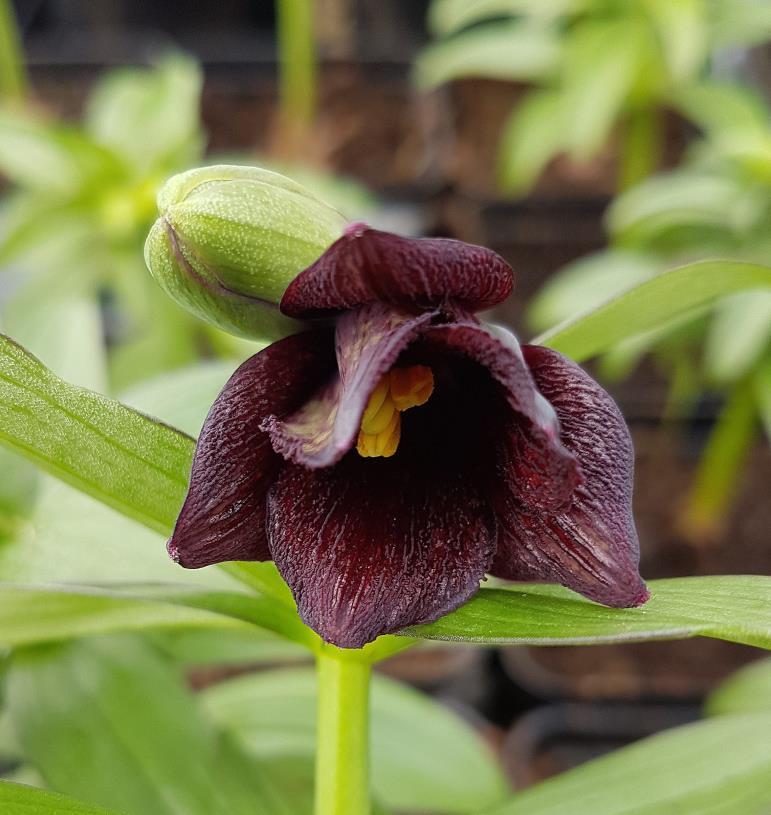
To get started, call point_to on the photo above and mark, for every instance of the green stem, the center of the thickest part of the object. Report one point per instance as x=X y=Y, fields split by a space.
x=641 y=147
x=342 y=753
x=297 y=60
x=718 y=473
x=13 y=78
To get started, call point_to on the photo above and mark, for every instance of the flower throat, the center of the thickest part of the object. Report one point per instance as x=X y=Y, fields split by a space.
x=381 y=425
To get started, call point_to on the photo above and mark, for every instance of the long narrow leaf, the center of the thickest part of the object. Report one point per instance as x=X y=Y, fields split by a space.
x=735 y=608
x=18 y=799
x=135 y=464
x=718 y=767
x=652 y=304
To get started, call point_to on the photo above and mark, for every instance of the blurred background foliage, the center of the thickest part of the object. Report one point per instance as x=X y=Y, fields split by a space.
x=321 y=91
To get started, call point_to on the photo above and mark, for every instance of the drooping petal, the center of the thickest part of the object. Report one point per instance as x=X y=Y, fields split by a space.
x=368 y=342
x=371 y=546
x=592 y=547
x=534 y=464
x=367 y=265
x=223 y=517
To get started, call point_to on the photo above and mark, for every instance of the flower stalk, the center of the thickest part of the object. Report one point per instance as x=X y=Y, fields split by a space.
x=641 y=147
x=13 y=79
x=342 y=751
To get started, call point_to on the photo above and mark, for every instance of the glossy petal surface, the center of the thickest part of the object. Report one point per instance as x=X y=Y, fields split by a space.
x=368 y=341
x=368 y=547
x=592 y=547
x=223 y=517
x=367 y=265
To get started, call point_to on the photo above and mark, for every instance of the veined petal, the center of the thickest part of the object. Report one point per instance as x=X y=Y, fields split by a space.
x=223 y=517
x=369 y=547
x=592 y=547
x=367 y=265
x=368 y=342
x=535 y=466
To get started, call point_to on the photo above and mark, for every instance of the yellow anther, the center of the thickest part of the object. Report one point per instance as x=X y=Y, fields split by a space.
x=380 y=419
x=376 y=400
x=399 y=390
x=411 y=387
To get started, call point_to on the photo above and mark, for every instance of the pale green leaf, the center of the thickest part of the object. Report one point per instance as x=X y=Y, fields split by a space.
x=49 y=157
x=18 y=799
x=747 y=691
x=673 y=206
x=181 y=398
x=682 y=28
x=448 y=16
x=424 y=758
x=110 y=721
x=511 y=50
x=533 y=135
x=585 y=284
x=718 y=767
x=602 y=61
x=738 y=336
x=149 y=116
x=653 y=304
x=734 y=608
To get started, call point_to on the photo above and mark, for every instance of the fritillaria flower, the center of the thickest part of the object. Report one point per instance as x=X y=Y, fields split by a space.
x=399 y=450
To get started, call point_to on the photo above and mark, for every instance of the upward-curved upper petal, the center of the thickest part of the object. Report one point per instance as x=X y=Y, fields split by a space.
x=368 y=341
x=367 y=265
x=223 y=517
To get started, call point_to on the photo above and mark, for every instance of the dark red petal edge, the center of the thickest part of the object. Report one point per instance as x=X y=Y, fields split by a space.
x=367 y=547
x=368 y=342
x=367 y=265
x=592 y=548
x=534 y=465
x=223 y=517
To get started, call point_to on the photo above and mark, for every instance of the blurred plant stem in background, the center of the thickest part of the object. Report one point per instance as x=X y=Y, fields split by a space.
x=719 y=473
x=298 y=76
x=13 y=76
x=641 y=146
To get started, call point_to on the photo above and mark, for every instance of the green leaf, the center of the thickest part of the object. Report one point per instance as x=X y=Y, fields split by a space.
x=683 y=31
x=717 y=767
x=181 y=398
x=738 y=336
x=603 y=59
x=587 y=283
x=149 y=116
x=747 y=691
x=737 y=609
x=30 y=614
x=532 y=136
x=685 y=208
x=130 y=462
x=18 y=799
x=653 y=304
x=111 y=721
x=511 y=50
x=448 y=16
x=49 y=157
x=424 y=758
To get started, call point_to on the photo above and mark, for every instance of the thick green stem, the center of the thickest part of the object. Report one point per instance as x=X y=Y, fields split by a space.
x=297 y=60
x=13 y=79
x=342 y=753
x=641 y=147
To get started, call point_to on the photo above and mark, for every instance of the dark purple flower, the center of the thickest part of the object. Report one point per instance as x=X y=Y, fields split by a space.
x=389 y=459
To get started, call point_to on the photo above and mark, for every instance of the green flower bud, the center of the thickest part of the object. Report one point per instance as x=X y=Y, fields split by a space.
x=230 y=239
